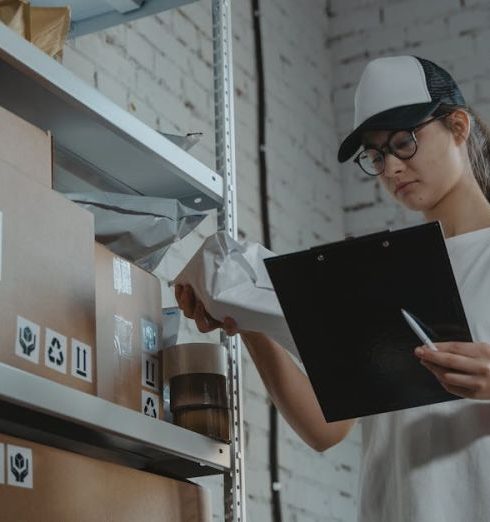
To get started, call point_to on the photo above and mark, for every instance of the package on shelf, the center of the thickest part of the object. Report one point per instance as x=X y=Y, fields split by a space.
x=47 y=283
x=128 y=324
x=231 y=280
x=44 y=483
x=26 y=148
x=138 y=228
x=46 y=27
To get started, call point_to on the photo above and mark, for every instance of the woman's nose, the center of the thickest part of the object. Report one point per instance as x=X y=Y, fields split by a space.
x=393 y=165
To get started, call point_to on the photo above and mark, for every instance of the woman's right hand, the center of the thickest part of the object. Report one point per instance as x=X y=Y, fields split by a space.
x=194 y=309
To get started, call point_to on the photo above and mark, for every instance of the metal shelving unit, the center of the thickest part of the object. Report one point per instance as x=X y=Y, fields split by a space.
x=99 y=146
x=36 y=408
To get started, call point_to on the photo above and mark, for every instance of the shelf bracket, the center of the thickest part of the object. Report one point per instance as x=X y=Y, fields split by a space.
x=125 y=6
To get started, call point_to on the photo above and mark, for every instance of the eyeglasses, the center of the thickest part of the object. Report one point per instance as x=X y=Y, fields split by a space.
x=400 y=143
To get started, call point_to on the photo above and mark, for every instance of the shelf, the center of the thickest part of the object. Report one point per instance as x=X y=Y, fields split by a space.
x=94 y=15
x=47 y=412
x=107 y=147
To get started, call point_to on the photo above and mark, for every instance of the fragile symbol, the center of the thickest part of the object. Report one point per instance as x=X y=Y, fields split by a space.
x=81 y=362
x=56 y=358
x=19 y=466
x=27 y=340
x=150 y=408
x=150 y=373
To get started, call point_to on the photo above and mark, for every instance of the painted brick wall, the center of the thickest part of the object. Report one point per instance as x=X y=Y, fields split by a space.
x=453 y=33
x=159 y=68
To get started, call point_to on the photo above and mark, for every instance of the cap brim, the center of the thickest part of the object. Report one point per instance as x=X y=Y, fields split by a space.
x=392 y=119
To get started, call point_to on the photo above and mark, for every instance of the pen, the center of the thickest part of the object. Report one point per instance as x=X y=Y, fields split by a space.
x=418 y=331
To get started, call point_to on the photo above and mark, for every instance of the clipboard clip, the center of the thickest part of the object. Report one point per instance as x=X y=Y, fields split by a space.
x=350 y=238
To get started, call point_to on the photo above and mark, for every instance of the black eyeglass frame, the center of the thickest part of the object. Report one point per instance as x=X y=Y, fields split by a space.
x=388 y=147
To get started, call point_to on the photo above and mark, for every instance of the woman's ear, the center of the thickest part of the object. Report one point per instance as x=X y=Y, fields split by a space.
x=459 y=123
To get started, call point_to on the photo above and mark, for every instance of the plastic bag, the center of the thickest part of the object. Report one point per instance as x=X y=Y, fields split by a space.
x=138 y=228
x=230 y=279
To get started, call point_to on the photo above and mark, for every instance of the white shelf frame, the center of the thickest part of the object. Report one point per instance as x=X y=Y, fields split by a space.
x=44 y=410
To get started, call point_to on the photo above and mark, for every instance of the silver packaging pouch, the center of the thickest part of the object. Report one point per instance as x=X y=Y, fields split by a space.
x=230 y=279
x=138 y=228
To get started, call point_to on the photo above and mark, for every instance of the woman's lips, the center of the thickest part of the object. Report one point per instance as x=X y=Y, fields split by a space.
x=402 y=186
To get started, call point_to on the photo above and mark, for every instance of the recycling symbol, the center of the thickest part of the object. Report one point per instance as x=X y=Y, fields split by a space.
x=150 y=408
x=55 y=353
x=19 y=466
x=27 y=340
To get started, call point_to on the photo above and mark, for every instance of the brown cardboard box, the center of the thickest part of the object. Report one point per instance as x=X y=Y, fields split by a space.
x=50 y=485
x=26 y=148
x=47 y=283
x=128 y=312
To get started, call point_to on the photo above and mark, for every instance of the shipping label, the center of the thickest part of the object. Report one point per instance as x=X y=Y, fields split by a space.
x=122 y=276
x=150 y=404
x=55 y=353
x=19 y=466
x=27 y=340
x=81 y=360
x=149 y=371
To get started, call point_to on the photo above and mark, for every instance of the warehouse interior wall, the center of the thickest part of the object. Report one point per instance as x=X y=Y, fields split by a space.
x=160 y=69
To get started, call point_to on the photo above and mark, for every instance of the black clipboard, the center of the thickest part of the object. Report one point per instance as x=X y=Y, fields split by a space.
x=342 y=303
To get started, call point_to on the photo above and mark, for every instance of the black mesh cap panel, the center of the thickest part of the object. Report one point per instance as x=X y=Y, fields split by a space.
x=440 y=84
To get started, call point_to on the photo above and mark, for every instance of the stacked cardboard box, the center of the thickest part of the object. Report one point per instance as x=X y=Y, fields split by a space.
x=62 y=295
x=47 y=274
x=40 y=483
x=128 y=309
x=73 y=312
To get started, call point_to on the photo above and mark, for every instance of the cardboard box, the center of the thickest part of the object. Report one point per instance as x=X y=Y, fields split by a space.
x=47 y=283
x=26 y=148
x=47 y=484
x=128 y=312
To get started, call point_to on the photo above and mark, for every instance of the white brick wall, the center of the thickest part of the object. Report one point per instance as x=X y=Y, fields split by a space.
x=453 y=33
x=159 y=68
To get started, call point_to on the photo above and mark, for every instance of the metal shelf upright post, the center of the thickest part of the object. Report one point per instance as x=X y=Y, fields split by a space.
x=45 y=93
x=234 y=480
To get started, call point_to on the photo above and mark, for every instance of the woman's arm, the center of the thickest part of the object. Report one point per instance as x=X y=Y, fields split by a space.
x=292 y=393
x=289 y=388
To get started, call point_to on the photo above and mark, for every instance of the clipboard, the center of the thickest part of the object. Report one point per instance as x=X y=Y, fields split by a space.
x=342 y=302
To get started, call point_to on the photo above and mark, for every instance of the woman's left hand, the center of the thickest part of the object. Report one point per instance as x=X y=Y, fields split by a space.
x=462 y=368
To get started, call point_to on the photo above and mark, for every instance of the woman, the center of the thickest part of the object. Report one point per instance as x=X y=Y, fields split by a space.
x=432 y=154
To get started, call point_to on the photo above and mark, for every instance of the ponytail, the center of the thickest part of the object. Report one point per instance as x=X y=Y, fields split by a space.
x=479 y=152
x=478 y=144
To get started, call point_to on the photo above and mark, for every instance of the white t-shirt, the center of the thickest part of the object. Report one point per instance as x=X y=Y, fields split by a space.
x=432 y=463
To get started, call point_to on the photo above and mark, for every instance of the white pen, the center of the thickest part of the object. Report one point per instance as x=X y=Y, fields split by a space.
x=418 y=331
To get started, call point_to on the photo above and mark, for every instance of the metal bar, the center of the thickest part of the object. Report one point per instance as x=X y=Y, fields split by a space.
x=96 y=130
x=125 y=6
x=47 y=410
x=110 y=19
x=89 y=16
x=234 y=482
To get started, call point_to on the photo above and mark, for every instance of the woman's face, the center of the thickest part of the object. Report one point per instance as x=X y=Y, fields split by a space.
x=437 y=167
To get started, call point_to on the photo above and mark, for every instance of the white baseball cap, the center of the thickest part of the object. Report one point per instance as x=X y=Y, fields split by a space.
x=398 y=92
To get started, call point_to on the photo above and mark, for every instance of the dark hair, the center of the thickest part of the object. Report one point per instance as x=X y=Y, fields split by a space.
x=479 y=151
x=478 y=147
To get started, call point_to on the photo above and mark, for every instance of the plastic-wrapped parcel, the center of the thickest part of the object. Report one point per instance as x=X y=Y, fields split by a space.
x=138 y=228
x=231 y=280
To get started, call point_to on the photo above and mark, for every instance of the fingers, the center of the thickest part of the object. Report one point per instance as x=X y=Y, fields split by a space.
x=466 y=349
x=194 y=309
x=186 y=300
x=230 y=326
x=204 y=322
x=451 y=378
x=449 y=360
